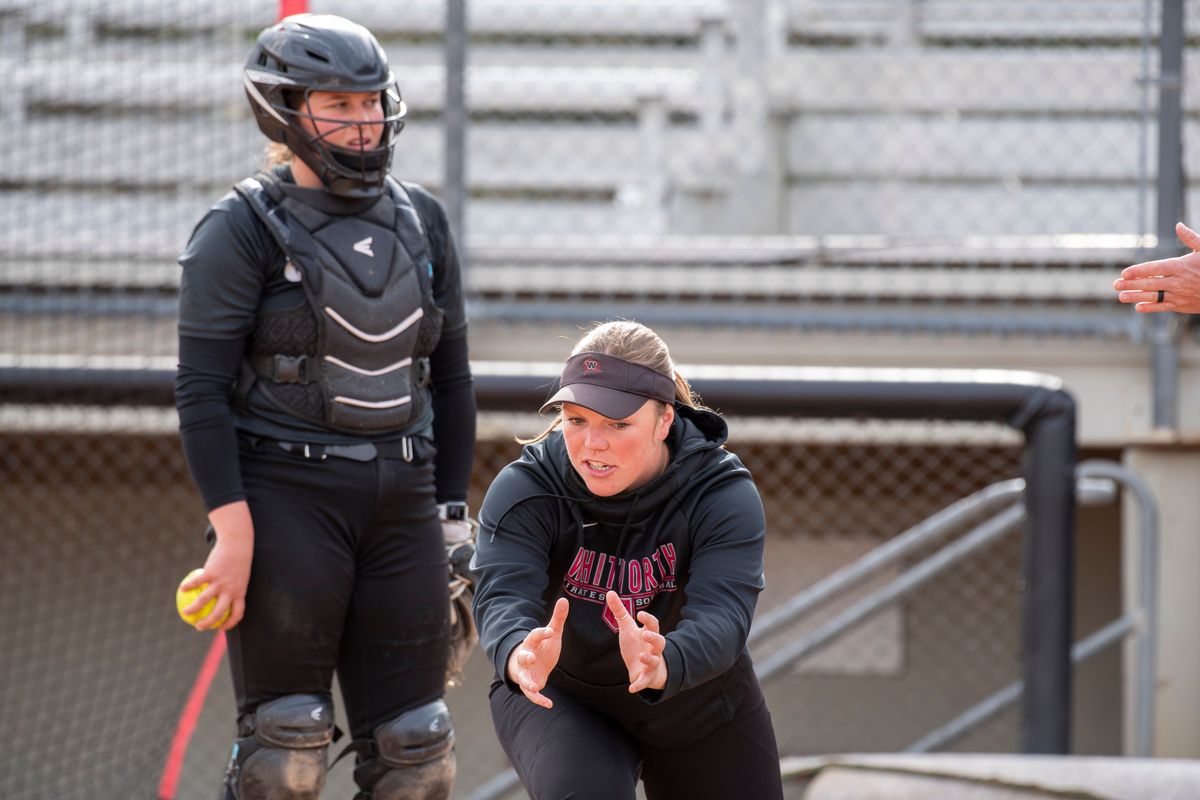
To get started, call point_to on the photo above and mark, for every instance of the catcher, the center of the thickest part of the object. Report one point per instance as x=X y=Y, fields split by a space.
x=327 y=413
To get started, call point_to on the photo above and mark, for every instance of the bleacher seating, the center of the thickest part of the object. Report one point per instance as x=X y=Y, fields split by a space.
x=198 y=85
x=992 y=21
x=513 y=18
x=664 y=121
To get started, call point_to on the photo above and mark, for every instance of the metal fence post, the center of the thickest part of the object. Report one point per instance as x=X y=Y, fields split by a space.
x=1049 y=544
x=455 y=189
x=1164 y=330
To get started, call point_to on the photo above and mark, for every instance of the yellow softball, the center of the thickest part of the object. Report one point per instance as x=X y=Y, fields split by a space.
x=185 y=597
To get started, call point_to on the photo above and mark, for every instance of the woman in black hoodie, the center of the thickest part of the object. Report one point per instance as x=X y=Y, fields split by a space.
x=631 y=528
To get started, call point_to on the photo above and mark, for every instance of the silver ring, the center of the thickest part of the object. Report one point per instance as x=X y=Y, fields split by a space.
x=1161 y=295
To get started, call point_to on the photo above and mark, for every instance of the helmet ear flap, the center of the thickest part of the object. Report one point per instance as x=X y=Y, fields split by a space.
x=292 y=97
x=295 y=101
x=394 y=108
x=288 y=102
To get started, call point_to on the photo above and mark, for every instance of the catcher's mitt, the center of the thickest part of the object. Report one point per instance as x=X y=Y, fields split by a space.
x=463 y=634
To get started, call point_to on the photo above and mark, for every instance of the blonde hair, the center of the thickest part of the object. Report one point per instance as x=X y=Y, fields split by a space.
x=634 y=342
x=278 y=153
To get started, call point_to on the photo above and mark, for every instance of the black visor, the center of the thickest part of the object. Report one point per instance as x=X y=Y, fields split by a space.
x=610 y=386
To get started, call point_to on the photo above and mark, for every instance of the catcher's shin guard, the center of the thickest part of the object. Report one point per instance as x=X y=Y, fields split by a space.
x=281 y=753
x=411 y=757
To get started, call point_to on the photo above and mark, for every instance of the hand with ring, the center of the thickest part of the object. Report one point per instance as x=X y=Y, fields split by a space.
x=1168 y=284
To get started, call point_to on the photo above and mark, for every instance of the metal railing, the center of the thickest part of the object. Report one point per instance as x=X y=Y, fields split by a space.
x=1141 y=622
x=1095 y=483
x=922 y=534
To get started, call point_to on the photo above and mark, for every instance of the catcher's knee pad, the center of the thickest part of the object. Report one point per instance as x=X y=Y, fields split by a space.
x=412 y=757
x=282 y=752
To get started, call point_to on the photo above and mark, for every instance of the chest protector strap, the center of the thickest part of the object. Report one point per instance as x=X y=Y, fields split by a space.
x=358 y=360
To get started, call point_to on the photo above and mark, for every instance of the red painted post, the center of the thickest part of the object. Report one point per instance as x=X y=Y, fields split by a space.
x=289 y=7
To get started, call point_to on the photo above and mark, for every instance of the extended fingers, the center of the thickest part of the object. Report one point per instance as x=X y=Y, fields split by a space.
x=613 y=600
x=559 y=618
x=648 y=620
x=1150 y=281
x=1162 y=268
x=536 y=636
x=530 y=686
x=648 y=667
x=1148 y=302
x=521 y=673
x=1138 y=296
x=537 y=698
x=1188 y=236
x=654 y=641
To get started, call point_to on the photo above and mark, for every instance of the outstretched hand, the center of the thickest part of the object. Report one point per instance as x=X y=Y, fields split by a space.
x=1177 y=279
x=641 y=647
x=533 y=660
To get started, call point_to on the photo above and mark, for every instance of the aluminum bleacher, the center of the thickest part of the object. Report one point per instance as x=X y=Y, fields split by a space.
x=1087 y=21
x=511 y=18
x=680 y=124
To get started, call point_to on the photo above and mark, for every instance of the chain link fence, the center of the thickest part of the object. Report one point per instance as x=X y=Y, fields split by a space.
x=101 y=521
x=889 y=165
x=911 y=667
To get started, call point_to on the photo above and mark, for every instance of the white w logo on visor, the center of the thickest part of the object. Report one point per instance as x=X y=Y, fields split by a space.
x=364 y=247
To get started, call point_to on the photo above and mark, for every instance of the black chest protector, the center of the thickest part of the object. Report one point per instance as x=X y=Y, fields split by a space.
x=355 y=356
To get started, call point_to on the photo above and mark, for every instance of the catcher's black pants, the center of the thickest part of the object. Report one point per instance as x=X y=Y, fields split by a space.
x=349 y=574
x=571 y=751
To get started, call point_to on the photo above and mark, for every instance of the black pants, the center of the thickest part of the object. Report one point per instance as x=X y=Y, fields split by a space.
x=570 y=751
x=349 y=574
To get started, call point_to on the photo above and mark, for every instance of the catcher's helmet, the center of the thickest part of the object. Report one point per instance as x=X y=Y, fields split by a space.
x=308 y=53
